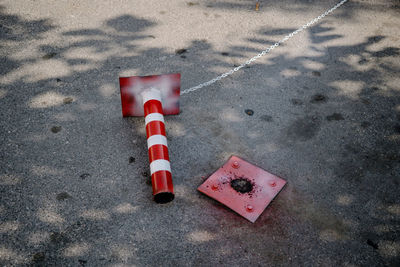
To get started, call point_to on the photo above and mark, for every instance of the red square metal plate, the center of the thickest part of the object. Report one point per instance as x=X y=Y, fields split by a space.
x=243 y=187
x=132 y=87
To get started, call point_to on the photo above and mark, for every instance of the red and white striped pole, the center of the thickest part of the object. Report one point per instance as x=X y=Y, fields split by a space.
x=160 y=167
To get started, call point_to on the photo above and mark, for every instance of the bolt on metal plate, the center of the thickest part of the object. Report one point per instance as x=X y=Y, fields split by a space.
x=243 y=187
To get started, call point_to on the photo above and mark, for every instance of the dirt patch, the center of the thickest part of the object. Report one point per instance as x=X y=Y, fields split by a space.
x=365 y=124
x=180 y=51
x=146 y=175
x=267 y=118
x=242 y=185
x=304 y=129
x=316 y=73
x=397 y=128
x=83 y=176
x=63 y=196
x=372 y=244
x=296 y=102
x=55 y=129
x=59 y=238
x=82 y=262
x=318 y=98
x=38 y=257
x=68 y=100
x=335 y=117
x=49 y=56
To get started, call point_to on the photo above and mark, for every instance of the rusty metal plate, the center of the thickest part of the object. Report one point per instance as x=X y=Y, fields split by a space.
x=243 y=187
x=132 y=87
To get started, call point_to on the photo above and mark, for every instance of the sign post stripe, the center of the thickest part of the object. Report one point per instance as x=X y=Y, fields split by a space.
x=154 y=117
x=160 y=167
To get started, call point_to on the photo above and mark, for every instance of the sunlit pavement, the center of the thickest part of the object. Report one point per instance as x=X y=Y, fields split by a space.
x=321 y=111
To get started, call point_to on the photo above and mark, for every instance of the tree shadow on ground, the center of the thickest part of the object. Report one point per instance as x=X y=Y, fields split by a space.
x=298 y=6
x=65 y=203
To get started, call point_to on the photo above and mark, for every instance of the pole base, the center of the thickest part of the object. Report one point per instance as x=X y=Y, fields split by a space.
x=164 y=197
x=243 y=187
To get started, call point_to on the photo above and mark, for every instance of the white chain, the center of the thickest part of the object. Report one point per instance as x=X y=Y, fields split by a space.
x=266 y=51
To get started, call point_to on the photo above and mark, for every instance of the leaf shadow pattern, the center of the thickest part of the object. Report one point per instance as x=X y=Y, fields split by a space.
x=110 y=218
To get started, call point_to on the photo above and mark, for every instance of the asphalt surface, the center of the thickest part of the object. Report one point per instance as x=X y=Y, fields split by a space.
x=74 y=185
